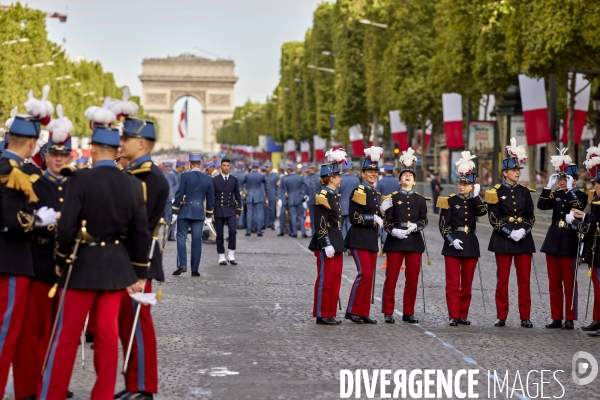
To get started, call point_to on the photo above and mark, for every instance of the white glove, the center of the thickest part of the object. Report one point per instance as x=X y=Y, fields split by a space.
x=387 y=203
x=570 y=217
x=329 y=251
x=411 y=227
x=145 y=299
x=305 y=206
x=552 y=181
x=476 y=189
x=514 y=235
x=399 y=233
x=569 y=182
x=378 y=220
x=279 y=203
x=173 y=217
x=522 y=233
x=46 y=215
x=457 y=244
x=306 y=197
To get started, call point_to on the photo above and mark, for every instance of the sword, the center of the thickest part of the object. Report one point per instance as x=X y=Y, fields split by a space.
x=87 y=317
x=423 y=283
x=373 y=286
x=576 y=269
x=536 y=278
x=481 y=283
x=210 y=226
x=588 y=296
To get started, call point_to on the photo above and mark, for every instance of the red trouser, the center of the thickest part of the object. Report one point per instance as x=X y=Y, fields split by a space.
x=523 y=267
x=360 y=295
x=561 y=272
x=142 y=369
x=33 y=340
x=411 y=273
x=103 y=306
x=327 y=285
x=596 y=284
x=459 y=279
x=13 y=301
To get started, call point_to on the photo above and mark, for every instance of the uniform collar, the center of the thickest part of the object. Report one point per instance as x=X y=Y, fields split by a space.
x=196 y=169
x=504 y=183
x=12 y=156
x=139 y=161
x=54 y=179
x=365 y=184
x=389 y=176
x=105 y=163
x=329 y=190
x=225 y=176
x=462 y=197
x=406 y=192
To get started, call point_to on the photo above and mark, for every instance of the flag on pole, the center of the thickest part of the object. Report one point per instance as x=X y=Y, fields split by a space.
x=319 y=144
x=582 y=103
x=398 y=129
x=453 y=121
x=428 y=131
x=290 y=148
x=183 y=120
x=535 y=110
x=356 y=138
x=305 y=151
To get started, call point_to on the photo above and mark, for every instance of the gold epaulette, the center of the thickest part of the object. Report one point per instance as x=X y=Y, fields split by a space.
x=528 y=188
x=389 y=196
x=596 y=203
x=144 y=190
x=359 y=196
x=591 y=194
x=491 y=195
x=145 y=167
x=34 y=178
x=321 y=200
x=442 y=202
x=19 y=180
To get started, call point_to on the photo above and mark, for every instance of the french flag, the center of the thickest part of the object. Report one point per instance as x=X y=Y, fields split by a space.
x=356 y=139
x=398 y=129
x=305 y=151
x=535 y=110
x=182 y=127
x=453 y=120
x=290 y=149
x=582 y=102
x=85 y=147
x=319 y=144
x=428 y=130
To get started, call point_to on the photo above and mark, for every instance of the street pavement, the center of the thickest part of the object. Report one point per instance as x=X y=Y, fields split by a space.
x=247 y=332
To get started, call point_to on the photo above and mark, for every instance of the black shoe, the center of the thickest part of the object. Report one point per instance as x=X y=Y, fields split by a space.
x=281 y=234
x=328 y=321
x=500 y=322
x=463 y=321
x=568 y=325
x=410 y=319
x=389 y=319
x=232 y=262
x=369 y=320
x=260 y=234
x=247 y=234
x=453 y=322
x=89 y=338
x=180 y=270
x=70 y=394
x=294 y=235
x=138 y=396
x=195 y=273
x=354 y=318
x=594 y=334
x=172 y=239
x=272 y=228
x=594 y=326
x=121 y=393
x=33 y=397
x=525 y=323
x=304 y=235
x=223 y=262
x=555 y=324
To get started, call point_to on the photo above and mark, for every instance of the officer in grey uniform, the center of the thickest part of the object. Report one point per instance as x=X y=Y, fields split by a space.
x=295 y=190
x=240 y=174
x=271 y=179
x=255 y=200
x=349 y=183
x=311 y=180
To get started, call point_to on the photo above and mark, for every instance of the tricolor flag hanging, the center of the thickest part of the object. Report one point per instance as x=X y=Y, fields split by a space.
x=290 y=149
x=182 y=127
x=535 y=110
x=356 y=139
x=85 y=147
x=453 y=120
x=305 y=151
x=582 y=103
x=428 y=130
x=319 y=144
x=399 y=131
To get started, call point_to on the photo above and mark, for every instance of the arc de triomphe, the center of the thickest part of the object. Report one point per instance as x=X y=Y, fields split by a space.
x=164 y=80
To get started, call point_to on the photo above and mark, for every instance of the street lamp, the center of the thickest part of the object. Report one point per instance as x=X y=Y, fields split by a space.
x=596 y=103
x=376 y=24
x=330 y=70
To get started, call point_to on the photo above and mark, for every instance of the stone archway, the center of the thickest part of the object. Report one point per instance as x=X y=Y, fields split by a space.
x=164 y=80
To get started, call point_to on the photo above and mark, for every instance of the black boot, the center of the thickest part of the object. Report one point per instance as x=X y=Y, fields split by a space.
x=453 y=322
x=410 y=319
x=500 y=322
x=369 y=320
x=555 y=324
x=525 y=323
x=180 y=270
x=594 y=326
x=354 y=318
x=568 y=325
x=328 y=321
x=389 y=319
x=463 y=321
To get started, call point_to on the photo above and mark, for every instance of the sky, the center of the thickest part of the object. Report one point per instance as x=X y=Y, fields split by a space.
x=120 y=34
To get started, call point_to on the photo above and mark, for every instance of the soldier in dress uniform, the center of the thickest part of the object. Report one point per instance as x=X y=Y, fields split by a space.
x=347 y=187
x=561 y=243
x=271 y=180
x=295 y=190
x=282 y=200
x=362 y=238
x=17 y=222
x=458 y=221
x=240 y=174
x=327 y=242
x=50 y=188
x=195 y=187
x=105 y=209
x=313 y=186
x=255 y=200
x=228 y=206
x=173 y=177
x=82 y=163
x=588 y=225
x=510 y=211
x=405 y=218
x=141 y=379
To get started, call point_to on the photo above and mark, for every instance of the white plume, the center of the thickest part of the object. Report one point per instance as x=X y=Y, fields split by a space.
x=465 y=165
x=562 y=160
x=520 y=151
x=39 y=108
x=408 y=157
x=60 y=127
x=101 y=115
x=337 y=155
x=41 y=142
x=125 y=106
x=374 y=153
x=13 y=114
